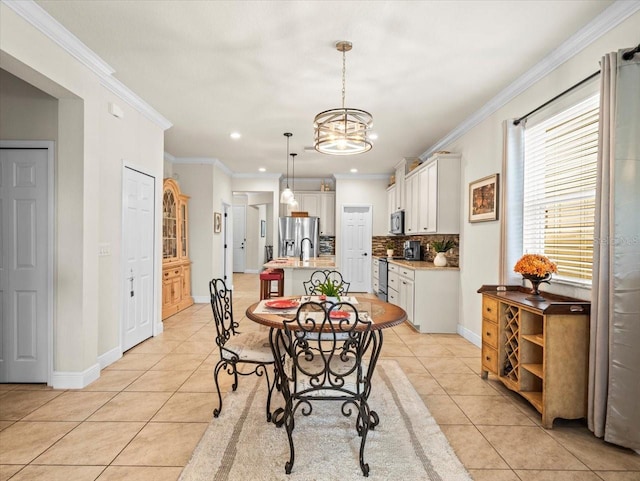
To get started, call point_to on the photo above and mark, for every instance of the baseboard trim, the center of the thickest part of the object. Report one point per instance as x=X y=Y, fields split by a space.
x=109 y=357
x=201 y=299
x=469 y=335
x=75 y=380
x=251 y=271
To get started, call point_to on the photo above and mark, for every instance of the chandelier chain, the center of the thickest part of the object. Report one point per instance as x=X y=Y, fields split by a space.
x=344 y=74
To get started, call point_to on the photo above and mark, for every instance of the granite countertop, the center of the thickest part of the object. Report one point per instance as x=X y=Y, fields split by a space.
x=418 y=265
x=295 y=263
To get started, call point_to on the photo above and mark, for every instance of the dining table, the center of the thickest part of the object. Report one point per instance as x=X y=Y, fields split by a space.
x=273 y=312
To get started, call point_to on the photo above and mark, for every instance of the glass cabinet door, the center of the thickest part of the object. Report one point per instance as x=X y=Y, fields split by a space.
x=183 y=230
x=169 y=225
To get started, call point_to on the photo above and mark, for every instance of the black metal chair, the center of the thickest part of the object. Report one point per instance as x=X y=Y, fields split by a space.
x=312 y=286
x=238 y=348
x=321 y=357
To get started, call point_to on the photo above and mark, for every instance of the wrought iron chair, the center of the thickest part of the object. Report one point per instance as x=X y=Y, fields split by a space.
x=321 y=357
x=237 y=348
x=312 y=286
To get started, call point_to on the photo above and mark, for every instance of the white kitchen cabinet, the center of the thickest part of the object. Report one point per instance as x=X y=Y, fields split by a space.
x=375 y=275
x=413 y=205
x=391 y=200
x=327 y=213
x=433 y=196
x=307 y=202
x=399 y=198
x=429 y=296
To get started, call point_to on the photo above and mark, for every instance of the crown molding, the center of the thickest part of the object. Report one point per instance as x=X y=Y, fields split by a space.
x=169 y=158
x=361 y=176
x=33 y=13
x=608 y=19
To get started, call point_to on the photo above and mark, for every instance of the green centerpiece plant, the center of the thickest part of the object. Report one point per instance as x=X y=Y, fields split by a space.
x=329 y=289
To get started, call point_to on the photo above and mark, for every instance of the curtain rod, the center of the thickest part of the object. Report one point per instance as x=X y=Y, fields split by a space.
x=524 y=117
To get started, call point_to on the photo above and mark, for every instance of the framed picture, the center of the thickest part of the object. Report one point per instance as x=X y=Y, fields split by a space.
x=263 y=228
x=483 y=199
x=217 y=222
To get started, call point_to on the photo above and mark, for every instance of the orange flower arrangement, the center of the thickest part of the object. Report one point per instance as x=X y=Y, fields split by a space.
x=535 y=265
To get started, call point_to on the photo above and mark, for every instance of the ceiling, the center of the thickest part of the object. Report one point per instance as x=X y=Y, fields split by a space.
x=263 y=68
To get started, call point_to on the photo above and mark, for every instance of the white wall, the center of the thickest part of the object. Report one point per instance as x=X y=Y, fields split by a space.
x=481 y=150
x=91 y=148
x=209 y=189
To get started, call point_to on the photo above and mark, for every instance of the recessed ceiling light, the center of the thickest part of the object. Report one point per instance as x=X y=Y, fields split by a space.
x=262 y=169
x=353 y=171
x=373 y=136
x=235 y=135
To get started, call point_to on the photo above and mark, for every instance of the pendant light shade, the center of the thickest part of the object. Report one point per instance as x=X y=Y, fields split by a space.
x=343 y=131
x=293 y=203
x=287 y=195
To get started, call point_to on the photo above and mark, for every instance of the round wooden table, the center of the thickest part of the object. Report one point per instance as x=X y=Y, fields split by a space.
x=374 y=316
x=381 y=313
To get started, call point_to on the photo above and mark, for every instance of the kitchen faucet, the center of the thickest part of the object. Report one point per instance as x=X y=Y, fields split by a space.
x=301 y=245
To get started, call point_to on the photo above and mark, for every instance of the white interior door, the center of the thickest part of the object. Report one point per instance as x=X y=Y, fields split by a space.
x=138 y=254
x=24 y=265
x=355 y=264
x=239 y=237
x=227 y=259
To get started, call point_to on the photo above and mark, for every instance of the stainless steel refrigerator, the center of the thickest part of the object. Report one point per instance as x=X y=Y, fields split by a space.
x=292 y=230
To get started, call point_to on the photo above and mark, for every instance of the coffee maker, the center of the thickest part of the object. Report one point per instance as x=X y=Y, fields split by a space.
x=412 y=250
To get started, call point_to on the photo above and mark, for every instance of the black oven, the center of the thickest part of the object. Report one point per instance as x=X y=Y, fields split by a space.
x=383 y=276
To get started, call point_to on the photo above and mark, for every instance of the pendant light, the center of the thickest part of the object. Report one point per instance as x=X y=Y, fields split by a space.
x=343 y=131
x=293 y=203
x=286 y=194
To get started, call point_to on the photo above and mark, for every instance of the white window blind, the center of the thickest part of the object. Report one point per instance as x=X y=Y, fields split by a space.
x=559 y=189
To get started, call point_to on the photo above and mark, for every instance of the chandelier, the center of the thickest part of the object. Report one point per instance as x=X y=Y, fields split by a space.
x=287 y=195
x=342 y=131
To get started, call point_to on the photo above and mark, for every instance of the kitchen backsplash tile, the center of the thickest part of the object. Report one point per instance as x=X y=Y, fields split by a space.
x=327 y=245
x=379 y=246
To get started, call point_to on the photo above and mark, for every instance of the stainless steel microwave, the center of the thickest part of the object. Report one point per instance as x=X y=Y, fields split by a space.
x=396 y=225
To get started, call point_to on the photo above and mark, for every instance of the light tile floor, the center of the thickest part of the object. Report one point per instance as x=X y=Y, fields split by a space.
x=142 y=419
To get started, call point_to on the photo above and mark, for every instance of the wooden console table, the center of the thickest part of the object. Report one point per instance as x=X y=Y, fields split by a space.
x=539 y=349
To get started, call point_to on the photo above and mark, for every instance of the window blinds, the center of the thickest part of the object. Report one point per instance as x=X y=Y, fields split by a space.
x=559 y=188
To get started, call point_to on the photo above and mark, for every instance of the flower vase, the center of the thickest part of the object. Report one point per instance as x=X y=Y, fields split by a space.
x=535 y=286
x=440 y=260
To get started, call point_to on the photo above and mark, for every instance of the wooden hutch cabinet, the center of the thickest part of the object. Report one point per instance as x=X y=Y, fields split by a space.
x=176 y=265
x=539 y=349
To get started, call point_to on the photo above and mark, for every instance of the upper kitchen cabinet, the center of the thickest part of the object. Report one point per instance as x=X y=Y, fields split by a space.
x=318 y=204
x=433 y=196
x=400 y=202
x=328 y=213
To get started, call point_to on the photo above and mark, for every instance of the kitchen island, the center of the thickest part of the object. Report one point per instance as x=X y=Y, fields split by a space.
x=296 y=271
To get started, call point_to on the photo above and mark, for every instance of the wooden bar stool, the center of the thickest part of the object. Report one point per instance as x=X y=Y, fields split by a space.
x=266 y=279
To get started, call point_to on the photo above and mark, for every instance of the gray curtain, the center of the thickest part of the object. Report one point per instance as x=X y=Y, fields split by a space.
x=614 y=356
x=511 y=192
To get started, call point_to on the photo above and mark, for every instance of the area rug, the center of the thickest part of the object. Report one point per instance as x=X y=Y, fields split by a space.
x=407 y=444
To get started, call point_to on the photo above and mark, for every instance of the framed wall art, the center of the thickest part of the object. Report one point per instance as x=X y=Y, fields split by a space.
x=217 y=222
x=483 y=199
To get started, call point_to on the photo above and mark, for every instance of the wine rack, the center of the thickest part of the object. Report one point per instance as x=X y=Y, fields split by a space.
x=541 y=350
x=511 y=318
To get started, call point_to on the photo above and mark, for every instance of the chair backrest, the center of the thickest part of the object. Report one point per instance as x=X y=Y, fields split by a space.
x=312 y=286
x=222 y=306
x=324 y=346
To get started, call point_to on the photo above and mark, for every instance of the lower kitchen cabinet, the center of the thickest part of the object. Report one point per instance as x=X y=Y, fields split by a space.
x=428 y=295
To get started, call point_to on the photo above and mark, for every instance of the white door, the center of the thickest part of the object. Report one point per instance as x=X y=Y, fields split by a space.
x=24 y=265
x=356 y=247
x=239 y=237
x=227 y=259
x=138 y=254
